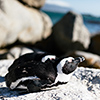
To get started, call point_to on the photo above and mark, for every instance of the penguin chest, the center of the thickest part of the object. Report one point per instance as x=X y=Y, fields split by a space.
x=61 y=77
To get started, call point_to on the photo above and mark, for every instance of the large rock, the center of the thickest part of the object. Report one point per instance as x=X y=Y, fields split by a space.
x=91 y=60
x=95 y=44
x=17 y=51
x=70 y=33
x=67 y=35
x=33 y=3
x=19 y=22
x=84 y=85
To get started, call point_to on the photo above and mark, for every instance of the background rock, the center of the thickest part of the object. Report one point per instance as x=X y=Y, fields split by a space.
x=14 y=52
x=27 y=25
x=91 y=60
x=33 y=3
x=84 y=85
x=95 y=44
x=67 y=34
x=70 y=33
x=3 y=53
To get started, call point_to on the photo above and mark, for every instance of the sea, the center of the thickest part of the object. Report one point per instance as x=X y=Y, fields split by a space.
x=91 y=22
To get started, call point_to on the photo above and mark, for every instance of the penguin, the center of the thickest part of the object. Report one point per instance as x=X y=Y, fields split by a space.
x=35 y=75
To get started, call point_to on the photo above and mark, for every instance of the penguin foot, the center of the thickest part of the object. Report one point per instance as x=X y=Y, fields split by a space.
x=34 y=86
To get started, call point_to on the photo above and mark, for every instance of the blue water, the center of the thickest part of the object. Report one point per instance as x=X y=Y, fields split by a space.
x=92 y=23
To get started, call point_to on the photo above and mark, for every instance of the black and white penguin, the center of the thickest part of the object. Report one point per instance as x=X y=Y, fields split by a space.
x=35 y=75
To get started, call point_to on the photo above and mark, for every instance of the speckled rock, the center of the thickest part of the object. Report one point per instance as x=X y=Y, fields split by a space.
x=84 y=85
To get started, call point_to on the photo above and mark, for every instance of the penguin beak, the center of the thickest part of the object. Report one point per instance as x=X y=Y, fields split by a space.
x=78 y=60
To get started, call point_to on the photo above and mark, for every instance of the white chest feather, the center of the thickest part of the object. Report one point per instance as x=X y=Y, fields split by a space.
x=61 y=77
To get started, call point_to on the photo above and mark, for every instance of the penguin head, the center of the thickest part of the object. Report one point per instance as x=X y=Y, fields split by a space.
x=68 y=65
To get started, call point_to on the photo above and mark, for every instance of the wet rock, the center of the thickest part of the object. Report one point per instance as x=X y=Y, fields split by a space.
x=84 y=85
x=91 y=60
x=70 y=33
x=27 y=25
x=95 y=44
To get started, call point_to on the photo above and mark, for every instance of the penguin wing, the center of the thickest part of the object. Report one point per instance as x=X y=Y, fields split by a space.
x=32 y=70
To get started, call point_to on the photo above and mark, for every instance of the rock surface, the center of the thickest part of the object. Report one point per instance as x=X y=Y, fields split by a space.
x=33 y=3
x=70 y=33
x=27 y=25
x=84 y=85
x=14 y=52
x=95 y=44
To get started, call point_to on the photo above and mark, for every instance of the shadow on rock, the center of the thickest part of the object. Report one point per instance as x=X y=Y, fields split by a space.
x=2 y=79
x=6 y=92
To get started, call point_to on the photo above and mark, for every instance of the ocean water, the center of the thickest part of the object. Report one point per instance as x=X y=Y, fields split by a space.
x=92 y=23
